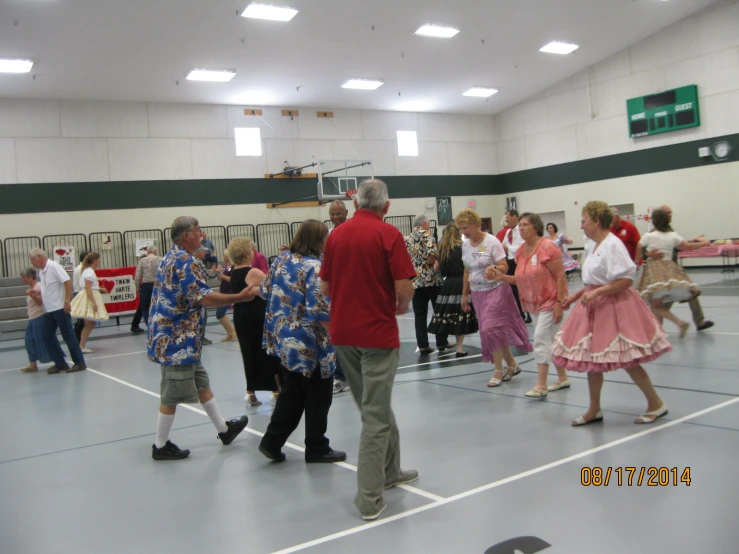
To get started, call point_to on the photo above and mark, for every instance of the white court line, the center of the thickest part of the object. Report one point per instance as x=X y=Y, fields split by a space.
x=718 y=333
x=95 y=358
x=505 y=481
x=440 y=361
x=345 y=465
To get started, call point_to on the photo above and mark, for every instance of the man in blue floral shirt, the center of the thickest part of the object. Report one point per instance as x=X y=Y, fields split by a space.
x=176 y=319
x=296 y=331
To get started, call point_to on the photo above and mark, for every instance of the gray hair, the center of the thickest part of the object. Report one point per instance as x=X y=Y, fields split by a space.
x=181 y=225
x=37 y=252
x=29 y=272
x=372 y=195
x=615 y=211
x=420 y=220
x=151 y=249
x=339 y=203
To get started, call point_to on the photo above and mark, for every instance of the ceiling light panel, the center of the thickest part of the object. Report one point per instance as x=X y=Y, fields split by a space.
x=210 y=75
x=15 y=66
x=437 y=31
x=556 y=47
x=363 y=84
x=272 y=13
x=480 y=92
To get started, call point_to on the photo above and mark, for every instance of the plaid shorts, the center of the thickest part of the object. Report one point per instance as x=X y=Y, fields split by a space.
x=181 y=383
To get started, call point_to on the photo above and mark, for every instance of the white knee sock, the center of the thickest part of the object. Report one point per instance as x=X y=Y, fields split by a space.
x=164 y=425
x=211 y=408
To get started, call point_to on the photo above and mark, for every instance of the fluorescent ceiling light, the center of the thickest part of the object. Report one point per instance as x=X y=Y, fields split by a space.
x=15 y=66
x=248 y=141
x=480 y=92
x=407 y=143
x=210 y=75
x=265 y=11
x=556 y=47
x=363 y=84
x=437 y=31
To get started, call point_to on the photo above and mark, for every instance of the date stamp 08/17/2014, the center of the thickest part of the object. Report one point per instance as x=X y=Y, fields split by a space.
x=634 y=476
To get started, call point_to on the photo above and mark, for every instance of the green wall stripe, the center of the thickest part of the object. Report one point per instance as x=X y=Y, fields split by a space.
x=126 y=195
x=628 y=164
x=123 y=195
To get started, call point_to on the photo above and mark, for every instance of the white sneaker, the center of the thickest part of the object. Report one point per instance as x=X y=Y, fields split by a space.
x=340 y=386
x=88 y=351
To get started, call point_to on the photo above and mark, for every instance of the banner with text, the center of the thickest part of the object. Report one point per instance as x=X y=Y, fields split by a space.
x=118 y=289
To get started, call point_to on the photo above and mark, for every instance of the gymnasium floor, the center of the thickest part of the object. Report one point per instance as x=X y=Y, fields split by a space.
x=76 y=473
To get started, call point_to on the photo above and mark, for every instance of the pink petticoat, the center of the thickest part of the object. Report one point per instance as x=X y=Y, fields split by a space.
x=611 y=332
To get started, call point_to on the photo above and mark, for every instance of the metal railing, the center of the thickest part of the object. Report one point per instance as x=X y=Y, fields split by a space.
x=404 y=223
x=233 y=231
x=78 y=241
x=131 y=257
x=294 y=226
x=15 y=254
x=270 y=236
x=110 y=247
x=217 y=235
x=434 y=229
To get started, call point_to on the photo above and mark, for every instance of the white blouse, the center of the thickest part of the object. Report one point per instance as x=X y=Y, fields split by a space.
x=89 y=275
x=663 y=242
x=608 y=262
x=477 y=258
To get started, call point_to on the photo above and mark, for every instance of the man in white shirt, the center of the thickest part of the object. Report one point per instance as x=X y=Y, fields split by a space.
x=79 y=323
x=56 y=295
x=511 y=243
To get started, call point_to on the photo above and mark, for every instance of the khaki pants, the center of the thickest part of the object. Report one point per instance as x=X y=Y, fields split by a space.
x=370 y=373
x=695 y=310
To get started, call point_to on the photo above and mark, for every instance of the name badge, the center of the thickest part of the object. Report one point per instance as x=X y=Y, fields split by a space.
x=533 y=260
x=481 y=249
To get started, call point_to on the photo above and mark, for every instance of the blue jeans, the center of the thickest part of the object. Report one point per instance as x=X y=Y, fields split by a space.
x=221 y=312
x=339 y=373
x=58 y=319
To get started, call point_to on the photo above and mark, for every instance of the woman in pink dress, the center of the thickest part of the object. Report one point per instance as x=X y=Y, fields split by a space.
x=611 y=327
x=498 y=316
x=542 y=287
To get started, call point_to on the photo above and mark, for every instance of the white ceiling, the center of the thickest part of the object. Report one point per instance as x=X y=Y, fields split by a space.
x=138 y=49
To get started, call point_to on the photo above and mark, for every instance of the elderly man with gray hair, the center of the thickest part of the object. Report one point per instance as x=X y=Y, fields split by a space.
x=146 y=274
x=56 y=296
x=181 y=295
x=367 y=273
x=422 y=248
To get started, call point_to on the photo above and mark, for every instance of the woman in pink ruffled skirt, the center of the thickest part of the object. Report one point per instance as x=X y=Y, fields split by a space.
x=610 y=327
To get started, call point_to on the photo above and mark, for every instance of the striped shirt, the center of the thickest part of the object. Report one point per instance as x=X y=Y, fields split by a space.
x=146 y=272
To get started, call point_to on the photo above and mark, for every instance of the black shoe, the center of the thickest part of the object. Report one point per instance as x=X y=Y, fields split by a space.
x=274 y=456
x=77 y=367
x=441 y=347
x=330 y=457
x=169 y=451
x=56 y=369
x=425 y=351
x=527 y=318
x=460 y=354
x=137 y=330
x=235 y=426
x=707 y=324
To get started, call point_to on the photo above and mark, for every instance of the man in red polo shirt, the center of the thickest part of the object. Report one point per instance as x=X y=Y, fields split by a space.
x=368 y=274
x=627 y=232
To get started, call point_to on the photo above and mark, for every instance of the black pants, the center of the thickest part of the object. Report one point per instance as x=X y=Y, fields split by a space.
x=421 y=298
x=299 y=394
x=144 y=305
x=512 y=271
x=79 y=324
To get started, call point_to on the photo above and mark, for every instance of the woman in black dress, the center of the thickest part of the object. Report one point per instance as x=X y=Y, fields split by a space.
x=262 y=370
x=448 y=316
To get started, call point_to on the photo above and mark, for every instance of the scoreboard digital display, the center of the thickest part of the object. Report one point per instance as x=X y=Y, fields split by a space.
x=663 y=112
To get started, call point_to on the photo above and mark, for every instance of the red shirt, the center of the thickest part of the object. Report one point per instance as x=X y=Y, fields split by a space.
x=501 y=234
x=629 y=235
x=363 y=258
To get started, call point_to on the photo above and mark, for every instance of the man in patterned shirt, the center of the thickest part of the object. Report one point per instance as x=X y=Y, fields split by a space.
x=181 y=294
x=422 y=248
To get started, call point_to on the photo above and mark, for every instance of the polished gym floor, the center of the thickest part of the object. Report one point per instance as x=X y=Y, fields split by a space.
x=498 y=471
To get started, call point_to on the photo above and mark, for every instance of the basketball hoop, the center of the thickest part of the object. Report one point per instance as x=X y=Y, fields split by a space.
x=350 y=194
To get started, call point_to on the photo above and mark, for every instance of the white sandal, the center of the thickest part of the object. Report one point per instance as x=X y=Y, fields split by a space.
x=495 y=382
x=651 y=417
x=559 y=385
x=539 y=394
x=577 y=422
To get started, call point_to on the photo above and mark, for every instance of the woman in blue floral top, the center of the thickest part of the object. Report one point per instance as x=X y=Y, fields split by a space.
x=296 y=331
